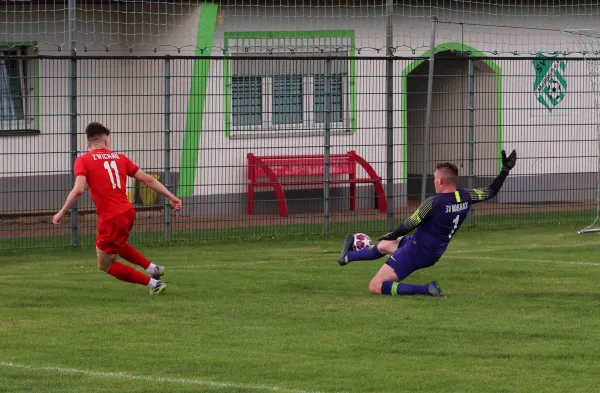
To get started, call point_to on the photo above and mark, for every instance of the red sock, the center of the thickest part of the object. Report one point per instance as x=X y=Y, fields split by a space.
x=127 y=273
x=128 y=253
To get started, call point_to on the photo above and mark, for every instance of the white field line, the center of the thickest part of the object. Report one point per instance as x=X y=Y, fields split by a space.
x=148 y=378
x=508 y=259
x=512 y=248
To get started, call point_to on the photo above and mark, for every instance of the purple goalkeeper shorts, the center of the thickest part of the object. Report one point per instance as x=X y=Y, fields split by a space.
x=409 y=258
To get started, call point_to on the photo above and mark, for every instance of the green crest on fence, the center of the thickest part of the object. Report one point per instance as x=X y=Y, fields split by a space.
x=550 y=85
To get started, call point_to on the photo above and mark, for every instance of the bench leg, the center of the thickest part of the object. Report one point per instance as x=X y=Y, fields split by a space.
x=381 y=197
x=281 y=202
x=352 y=196
x=250 y=200
x=382 y=204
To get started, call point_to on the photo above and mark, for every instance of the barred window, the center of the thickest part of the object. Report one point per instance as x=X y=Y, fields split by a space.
x=288 y=94
x=17 y=82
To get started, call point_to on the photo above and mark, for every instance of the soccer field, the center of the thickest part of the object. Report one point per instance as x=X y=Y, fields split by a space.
x=521 y=315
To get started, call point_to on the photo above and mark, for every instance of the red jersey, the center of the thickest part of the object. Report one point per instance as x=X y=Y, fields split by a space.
x=106 y=174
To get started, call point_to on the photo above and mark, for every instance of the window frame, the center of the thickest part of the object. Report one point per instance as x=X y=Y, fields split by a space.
x=309 y=125
x=28 y=68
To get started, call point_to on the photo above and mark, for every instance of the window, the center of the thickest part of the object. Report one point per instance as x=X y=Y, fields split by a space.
x=17 y=81
x=336 y=82
x=288 y=94
x=246 y=100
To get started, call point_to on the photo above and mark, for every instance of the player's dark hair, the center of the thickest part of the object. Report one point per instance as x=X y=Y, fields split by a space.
x=94 y=129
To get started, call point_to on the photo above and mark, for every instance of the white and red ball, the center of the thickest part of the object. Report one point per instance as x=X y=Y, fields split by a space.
x=361 y=241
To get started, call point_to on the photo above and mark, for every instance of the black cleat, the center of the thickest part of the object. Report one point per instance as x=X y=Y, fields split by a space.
x=348 y=243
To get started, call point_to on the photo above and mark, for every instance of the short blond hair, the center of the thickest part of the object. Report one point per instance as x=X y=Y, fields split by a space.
x=448 y=171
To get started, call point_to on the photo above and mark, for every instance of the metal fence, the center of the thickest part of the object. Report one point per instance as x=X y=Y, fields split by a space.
x=289 y=146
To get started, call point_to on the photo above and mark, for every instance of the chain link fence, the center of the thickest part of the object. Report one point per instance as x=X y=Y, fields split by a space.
x=264 y=146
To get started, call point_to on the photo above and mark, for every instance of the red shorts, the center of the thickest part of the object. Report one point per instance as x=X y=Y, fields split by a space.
x=114 y=232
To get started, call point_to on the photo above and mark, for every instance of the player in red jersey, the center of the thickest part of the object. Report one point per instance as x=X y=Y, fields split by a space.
x=106 y=174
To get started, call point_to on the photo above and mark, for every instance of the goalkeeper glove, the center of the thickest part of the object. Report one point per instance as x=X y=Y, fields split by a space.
x=509 y=162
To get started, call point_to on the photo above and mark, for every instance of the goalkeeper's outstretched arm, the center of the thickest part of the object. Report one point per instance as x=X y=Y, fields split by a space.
x=486 y=193
x=413 y=221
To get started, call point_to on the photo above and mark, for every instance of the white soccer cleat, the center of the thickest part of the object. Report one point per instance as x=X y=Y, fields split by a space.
x=158 y=272
x=158 y=289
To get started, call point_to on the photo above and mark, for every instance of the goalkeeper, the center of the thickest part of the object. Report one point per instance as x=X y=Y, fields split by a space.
x=436 y=222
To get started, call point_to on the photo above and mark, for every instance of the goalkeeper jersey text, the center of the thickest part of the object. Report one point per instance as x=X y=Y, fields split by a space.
x=439 y=218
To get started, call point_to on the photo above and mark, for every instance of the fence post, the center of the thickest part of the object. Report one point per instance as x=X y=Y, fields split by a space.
x=167 y=147
x=73 y=117
x=327 y=147
x=471 y=131
x=389 y=90
x=434 y=21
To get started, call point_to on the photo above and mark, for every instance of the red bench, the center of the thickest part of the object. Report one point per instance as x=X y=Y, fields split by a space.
x=279 y=171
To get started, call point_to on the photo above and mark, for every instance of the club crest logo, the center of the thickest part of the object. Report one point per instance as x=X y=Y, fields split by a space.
x=550 y=85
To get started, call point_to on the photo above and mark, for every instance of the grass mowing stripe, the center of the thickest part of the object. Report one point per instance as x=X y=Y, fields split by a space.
x=199 y=266
x=449 y=254
x=183 y=381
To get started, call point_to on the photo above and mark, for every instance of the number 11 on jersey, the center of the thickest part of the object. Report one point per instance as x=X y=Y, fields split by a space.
x=455 y=221
x=116 y=179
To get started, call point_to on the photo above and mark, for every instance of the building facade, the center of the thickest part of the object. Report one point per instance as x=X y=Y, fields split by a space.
x=225 y=103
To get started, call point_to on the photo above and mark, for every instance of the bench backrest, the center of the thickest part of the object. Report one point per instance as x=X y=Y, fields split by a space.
x=296 y=166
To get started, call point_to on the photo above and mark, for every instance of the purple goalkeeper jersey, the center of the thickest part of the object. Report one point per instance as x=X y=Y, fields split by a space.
x=439 y=218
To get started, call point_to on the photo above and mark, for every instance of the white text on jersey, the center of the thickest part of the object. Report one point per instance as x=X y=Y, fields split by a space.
x=457 y=207
x=106 y=156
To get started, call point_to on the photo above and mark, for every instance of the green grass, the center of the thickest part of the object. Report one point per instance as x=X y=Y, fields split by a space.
x=577 y=220
x=520 y=316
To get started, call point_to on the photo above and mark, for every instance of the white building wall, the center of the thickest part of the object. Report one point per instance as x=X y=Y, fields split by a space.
x=559 y=142
x=115 y=95
x=222 y=161
x=125 y=95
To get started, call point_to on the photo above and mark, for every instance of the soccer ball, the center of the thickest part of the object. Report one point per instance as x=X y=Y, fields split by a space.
x=361 y=241
x=555 y=90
